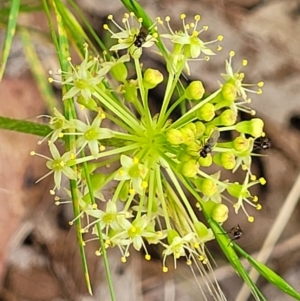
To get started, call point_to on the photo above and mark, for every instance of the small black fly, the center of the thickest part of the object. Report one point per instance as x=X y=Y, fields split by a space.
x=141 y=37
x=236 y=233
x=262 y=143
x=210 y=143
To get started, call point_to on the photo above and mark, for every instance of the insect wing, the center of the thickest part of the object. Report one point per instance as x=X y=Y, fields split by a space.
x=143 y=32
x=213 y=139
x=140 y=39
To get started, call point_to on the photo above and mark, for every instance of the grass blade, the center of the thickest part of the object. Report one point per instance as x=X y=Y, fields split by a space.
x=268 y=274
x=11 y=29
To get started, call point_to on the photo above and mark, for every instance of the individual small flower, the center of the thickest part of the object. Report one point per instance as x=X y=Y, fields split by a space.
x=132 y=170
x=109 y=218
x=177 y=245
x=130 y=33
x=90 y=134
x=242 y=193
x=58 y=165
x=236 y=78
x=133 y=233
x=188 y=38
x=58 y=123
x=83 y=77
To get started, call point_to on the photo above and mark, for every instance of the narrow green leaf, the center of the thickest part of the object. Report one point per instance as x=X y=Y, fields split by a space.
x=234 y=260
x=11 y=29
x=269 y=275
x=24 y=126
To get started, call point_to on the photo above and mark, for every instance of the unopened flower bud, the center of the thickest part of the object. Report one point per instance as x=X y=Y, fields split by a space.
x=195 y=90
x=227 y=118
x=89 y=104
x=220 y=213
x=227 y=160
x=229 y=92
x=119 y=72
x=171 y=235
x=236 y=190
x=174 y=136
x=152 y=78
x=208 y=187
x=240 y=144
x=184 y=156
x=191 y=126
x=188 y=135
x=189 y=168
x=206 y=112
x=123 y=194
x=130 y=91
x=205 y=162
x=201 y=229
x=254 y=127
x=200 y=128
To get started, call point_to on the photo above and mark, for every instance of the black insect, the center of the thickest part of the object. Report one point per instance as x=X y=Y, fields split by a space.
x=262 y=143
x=236 y=233
x=140 y=38
x=210 y=143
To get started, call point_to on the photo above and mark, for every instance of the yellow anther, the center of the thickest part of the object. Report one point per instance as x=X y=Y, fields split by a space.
x=250 y=219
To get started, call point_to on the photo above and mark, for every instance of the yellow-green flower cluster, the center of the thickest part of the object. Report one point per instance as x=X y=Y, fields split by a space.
x=152 y=159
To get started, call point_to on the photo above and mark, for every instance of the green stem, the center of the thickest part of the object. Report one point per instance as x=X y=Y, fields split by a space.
x=23 y=126
x=190 y=115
